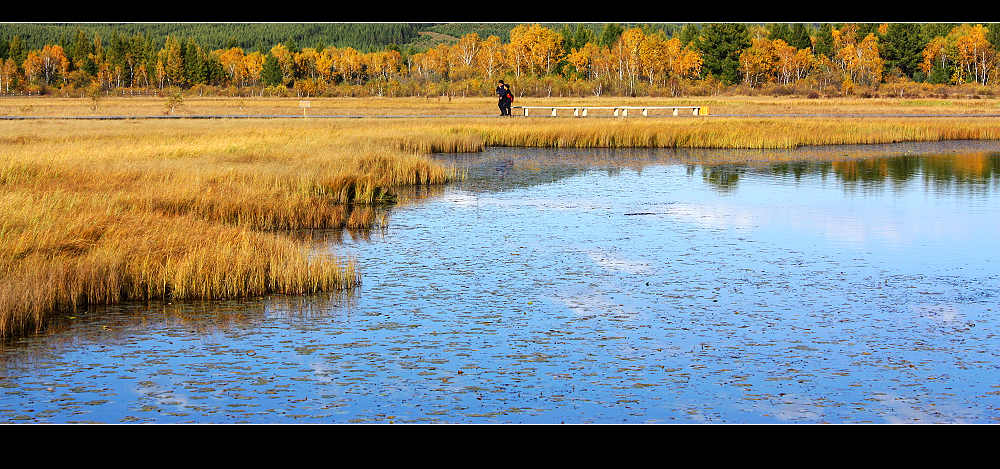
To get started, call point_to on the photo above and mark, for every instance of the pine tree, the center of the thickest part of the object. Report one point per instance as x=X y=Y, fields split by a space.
x=610 y=34
x=567 y=39
x=194 y=63
x=780 y=31
x=17 y=51
x=721 y=44
x=824 y=40
x=89 y=66
x=864 y=29
x=81 y=48
x=993 y=34
x=271 y=73
x=929 y=31
x=799 y=37
x=215 y=73
x=903 y=48
x=582 y=36
x=689 y=34
x=938 y=75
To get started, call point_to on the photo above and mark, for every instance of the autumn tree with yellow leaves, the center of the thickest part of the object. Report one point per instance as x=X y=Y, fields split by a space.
x=47 y=64
x=860 y=61
x=775 y=61
x=621 y=60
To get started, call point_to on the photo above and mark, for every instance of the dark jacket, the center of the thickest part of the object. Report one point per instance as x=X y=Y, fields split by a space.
x=501 y=92
x=510 y=94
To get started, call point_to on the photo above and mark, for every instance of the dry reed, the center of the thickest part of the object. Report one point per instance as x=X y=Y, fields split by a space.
x=103 y=212
x=99 y=212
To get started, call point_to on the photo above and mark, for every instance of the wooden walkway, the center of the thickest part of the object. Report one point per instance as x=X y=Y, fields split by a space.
x=581 y=111
x=469 y=116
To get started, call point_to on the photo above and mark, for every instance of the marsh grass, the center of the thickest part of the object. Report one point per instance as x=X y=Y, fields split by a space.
x=95 y=212
x=53 y=261
x=99 y=213
x=734 y=133
x=464 y=106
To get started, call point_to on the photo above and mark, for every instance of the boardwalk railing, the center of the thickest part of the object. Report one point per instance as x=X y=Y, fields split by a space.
x=581 y=111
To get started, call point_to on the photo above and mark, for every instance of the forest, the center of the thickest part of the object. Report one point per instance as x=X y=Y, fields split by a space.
x=838 y=59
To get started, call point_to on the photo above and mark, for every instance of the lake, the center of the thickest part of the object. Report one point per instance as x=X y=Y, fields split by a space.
x=840 y=284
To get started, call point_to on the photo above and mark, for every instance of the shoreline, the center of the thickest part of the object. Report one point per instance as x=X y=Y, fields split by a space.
x=170 y=183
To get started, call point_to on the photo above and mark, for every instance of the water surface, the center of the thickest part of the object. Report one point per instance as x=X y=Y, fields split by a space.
x=829 y=284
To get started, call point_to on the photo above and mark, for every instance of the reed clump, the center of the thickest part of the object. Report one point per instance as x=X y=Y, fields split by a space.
x=734 y=133
x=98 y=212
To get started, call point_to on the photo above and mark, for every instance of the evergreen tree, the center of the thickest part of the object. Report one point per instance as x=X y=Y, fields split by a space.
x=780 y=31
x=993 y=34
x=864 y=29
x=568 y=42
x=582 y=36
x=271 y=73
x=939 y=75
x=610 y=34
x=689 y=34
x=824 y=40
x=82 y=46
x=17 y=51
x=89 y=66
x=930 y=31
x=903 y=48
x=721 y=44
x=194 y=63
x=4 y=48
x=215 y=73
x=799 y=37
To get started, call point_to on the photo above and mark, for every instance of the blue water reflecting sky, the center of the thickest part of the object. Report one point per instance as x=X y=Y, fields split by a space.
x=566 y=286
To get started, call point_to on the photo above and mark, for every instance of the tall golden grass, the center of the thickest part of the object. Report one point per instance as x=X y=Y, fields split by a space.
x=109 y=211
x=464 y=106
x=729 y=132
x=103 y=212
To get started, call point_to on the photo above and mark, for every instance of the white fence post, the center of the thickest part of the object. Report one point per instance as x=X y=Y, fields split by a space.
x=618 y=111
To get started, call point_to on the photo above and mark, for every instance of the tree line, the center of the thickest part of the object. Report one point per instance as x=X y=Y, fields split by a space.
x=247 y=36
x=541 y=60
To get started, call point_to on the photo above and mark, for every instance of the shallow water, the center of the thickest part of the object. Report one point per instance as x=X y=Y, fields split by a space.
x=591 y=286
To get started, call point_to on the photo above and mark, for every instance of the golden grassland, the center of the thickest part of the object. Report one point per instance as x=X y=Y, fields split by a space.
x=444 y=106
x=102 y=212
x=723 y=132
x=109 y=211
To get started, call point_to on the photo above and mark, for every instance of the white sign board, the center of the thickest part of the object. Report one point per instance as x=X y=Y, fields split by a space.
x=305 y=104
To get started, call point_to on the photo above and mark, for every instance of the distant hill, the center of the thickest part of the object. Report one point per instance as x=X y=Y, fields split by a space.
x=253 y=36
x=502 y=30
x=365 y=37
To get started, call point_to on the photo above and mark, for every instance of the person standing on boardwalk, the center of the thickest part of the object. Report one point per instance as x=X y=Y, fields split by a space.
x=510 y=98
x=502 y=102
